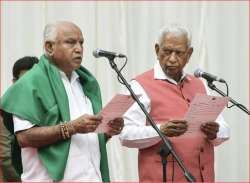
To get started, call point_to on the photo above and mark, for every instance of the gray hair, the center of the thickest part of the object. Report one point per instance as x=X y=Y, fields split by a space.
x=49 y=33
x=177 y=29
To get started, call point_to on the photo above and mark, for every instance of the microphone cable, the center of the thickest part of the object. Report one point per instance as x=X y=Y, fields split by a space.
x=125 y=63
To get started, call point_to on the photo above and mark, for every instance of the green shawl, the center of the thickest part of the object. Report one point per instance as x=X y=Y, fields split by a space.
x=39 y=97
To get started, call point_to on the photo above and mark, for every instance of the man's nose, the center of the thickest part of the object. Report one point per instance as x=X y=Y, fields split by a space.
x=79 y=48
x=173 y=57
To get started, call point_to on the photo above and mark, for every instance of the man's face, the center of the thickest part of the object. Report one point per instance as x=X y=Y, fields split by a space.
x=68 y=48
x=173 y=54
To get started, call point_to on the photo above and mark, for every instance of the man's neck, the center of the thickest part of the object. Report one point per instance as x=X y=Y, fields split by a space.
x=177 y=78
x=68 y=75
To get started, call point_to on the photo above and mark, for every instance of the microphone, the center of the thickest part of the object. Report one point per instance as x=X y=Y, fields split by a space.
x=110 y=55
x=207 y=76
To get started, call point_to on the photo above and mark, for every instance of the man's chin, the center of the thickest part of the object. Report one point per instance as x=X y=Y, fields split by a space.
x=172 y=75
x=77 y=64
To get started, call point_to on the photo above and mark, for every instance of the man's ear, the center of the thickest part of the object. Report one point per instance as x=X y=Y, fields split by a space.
x=157 y=49
x=189 y=52
x=49 y=48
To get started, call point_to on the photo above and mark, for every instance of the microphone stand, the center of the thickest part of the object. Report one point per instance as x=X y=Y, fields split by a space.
x=213 y=87
x=166 y=142
x=164 y=152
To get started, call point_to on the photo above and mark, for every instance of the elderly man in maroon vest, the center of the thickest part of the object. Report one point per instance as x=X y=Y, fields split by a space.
x=166 y=91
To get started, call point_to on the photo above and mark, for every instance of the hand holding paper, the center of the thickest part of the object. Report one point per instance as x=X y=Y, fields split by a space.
x=174 y=128
x=85 y=123
x=210 y=129
x=202 y=113
x=115 y=127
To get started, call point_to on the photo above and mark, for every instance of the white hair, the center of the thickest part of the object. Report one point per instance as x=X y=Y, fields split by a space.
x=176 y=29
x=49 y=33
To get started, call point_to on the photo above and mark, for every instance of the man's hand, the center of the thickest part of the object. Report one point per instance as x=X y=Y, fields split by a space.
x=86 y=123
x=115 y=127
x=210 y=129
x=174 y=128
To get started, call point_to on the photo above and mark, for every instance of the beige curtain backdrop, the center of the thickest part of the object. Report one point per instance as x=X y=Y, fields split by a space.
x=221 y=46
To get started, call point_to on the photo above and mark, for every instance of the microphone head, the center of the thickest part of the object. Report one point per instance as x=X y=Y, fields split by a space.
x=110 y=55
x=96 y=53
x=198 y=73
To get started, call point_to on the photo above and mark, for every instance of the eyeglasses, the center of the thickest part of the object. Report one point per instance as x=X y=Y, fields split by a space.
x=178 y=53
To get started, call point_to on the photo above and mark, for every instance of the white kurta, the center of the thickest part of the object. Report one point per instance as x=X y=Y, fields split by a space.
x=137 y=134
x=84 y=156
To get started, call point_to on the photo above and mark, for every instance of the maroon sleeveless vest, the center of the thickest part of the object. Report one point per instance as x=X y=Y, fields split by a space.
x=170 y=101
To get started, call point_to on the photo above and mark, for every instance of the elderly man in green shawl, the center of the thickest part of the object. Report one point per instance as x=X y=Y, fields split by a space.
x=53 y=112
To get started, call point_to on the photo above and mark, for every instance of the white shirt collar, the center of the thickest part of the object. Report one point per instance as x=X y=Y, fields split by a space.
x=74 y=76
x=159 y=74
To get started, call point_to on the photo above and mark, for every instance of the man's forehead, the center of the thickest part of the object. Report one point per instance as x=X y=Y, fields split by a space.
x=173 y=39
x=66 y=25
x=71 y=32
x=69 y=28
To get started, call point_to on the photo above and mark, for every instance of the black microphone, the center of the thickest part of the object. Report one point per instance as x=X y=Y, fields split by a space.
x=110 y=55
x=207 y=76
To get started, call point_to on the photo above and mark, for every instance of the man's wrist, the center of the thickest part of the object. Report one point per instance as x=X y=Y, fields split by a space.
x=67 y=130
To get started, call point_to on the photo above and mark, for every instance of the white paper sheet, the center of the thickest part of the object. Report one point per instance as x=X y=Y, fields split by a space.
x=203 y=108
x=118 y=105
